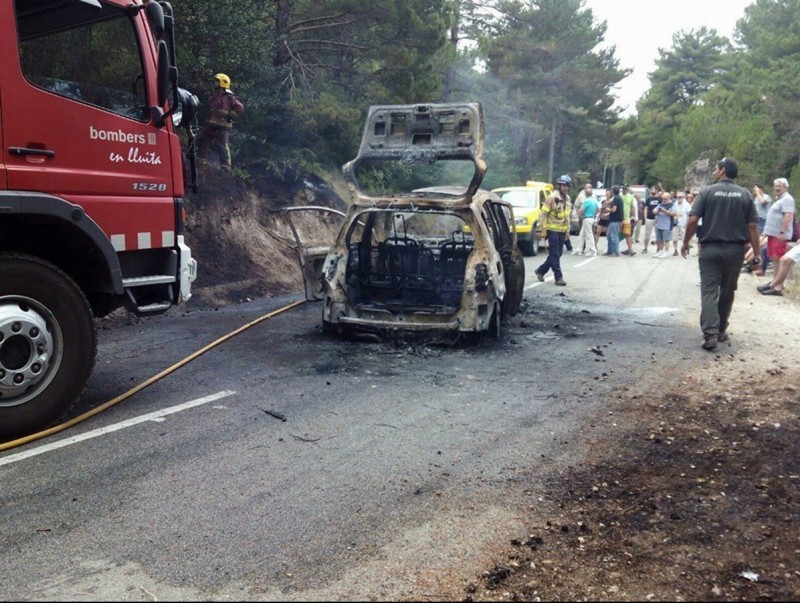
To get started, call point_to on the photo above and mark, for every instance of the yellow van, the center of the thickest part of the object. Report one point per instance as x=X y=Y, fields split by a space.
x=527 y=201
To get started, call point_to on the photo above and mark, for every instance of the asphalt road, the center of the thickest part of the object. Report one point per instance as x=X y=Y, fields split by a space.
x=287 y=465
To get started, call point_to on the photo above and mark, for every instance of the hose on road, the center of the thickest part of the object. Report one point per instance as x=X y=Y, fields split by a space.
x=97 y=410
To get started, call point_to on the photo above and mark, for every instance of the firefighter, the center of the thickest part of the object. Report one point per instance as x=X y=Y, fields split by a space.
x=225 y=109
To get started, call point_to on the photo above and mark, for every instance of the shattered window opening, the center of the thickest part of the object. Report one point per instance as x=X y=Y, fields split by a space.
x=398 y=124
x=409 y=259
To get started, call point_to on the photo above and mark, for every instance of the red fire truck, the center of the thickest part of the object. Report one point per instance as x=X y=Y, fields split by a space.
x=91 y=188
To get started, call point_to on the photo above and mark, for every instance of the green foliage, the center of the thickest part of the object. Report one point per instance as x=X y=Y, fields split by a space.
x=307 y=70
x=709 y=99
x=557 y=83
x=696 y=64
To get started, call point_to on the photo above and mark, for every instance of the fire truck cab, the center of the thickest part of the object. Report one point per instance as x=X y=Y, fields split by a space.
x=91 y=189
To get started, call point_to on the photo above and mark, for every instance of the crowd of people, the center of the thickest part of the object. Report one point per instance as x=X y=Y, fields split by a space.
x=658 y=220
x=733 y=229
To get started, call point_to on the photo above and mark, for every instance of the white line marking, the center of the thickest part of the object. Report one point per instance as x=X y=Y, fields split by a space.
x=537 y=284
x=550 y=278
x=153 y=416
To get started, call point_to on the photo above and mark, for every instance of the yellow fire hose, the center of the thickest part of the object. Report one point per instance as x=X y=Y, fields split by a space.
x=79 y=419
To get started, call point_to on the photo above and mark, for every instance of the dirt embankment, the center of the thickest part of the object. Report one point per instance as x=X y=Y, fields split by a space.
x=241 y=242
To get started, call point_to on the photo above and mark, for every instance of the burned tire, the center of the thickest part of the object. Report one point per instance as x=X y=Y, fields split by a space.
x=495 y=322
x=48 y=344
x=527 y=247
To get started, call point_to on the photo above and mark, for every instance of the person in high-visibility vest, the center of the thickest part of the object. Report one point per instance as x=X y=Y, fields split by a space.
x=225 y=109
x=554 y=226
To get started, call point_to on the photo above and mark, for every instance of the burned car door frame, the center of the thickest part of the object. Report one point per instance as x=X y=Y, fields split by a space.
x=311 y=257
x=510 y=254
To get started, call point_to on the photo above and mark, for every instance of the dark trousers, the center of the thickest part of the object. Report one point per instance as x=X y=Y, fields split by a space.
x=555 y=247
x=720 y=266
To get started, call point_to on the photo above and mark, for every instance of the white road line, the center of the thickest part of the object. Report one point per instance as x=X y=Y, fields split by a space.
x=549 y=278
x=153 y=416
x=536 y=284
x=586 y=261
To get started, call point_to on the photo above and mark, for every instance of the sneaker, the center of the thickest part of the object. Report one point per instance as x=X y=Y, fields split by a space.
x=710 y=343
x=560 y=282
x=627 y=252
x=593 y=254
x=540 y=276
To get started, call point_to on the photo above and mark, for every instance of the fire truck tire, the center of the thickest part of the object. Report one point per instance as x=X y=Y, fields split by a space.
x=48 y=344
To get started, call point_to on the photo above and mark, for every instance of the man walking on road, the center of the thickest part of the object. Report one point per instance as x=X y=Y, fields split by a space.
x=729 y=221
x=554 y=220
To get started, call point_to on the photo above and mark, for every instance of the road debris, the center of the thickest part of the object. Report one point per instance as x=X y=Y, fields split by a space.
x=275 y=414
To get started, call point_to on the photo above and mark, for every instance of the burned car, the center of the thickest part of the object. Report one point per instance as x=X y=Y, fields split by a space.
x=441 y=258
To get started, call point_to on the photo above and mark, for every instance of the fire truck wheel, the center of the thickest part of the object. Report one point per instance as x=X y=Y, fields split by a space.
x=48 y=344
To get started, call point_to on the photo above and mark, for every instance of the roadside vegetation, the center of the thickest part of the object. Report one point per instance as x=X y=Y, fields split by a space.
x=544 y=71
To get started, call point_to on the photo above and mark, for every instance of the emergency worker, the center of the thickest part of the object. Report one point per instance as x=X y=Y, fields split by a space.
x=225 y=109
x=554 y=219
x=729 y=221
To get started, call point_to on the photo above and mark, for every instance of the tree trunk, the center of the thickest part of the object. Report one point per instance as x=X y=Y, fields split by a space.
x=449 y=78
x=283 y=58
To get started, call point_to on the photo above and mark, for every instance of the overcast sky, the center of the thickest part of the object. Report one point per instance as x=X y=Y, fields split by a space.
x=639 y=28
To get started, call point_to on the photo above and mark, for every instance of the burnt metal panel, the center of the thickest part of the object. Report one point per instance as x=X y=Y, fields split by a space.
x=422 y=133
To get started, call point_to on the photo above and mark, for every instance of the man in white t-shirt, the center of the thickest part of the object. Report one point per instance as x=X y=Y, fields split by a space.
x=575 y=218
x=682 y=207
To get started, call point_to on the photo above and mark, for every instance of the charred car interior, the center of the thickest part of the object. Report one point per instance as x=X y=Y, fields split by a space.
x=410 y=260
x=438 y=258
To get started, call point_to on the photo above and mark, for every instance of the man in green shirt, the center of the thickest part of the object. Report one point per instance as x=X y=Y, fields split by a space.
x=729 y=221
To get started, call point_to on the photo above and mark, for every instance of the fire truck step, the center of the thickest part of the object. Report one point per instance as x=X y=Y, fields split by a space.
x=141 y=281
x=153 y=308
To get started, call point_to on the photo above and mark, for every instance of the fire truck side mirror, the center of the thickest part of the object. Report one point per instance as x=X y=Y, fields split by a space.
x=155 y=16
x=163 y=73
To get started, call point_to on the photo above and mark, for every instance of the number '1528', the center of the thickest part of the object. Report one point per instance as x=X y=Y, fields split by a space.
x=149 y=186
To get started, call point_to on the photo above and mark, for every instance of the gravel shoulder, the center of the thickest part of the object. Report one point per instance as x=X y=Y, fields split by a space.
x=694 y=493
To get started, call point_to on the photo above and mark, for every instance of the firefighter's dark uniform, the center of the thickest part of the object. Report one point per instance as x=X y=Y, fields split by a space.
x=225 y=108
x=726 y=209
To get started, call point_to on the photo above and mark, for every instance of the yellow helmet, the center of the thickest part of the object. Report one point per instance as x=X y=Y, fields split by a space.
x=223 y=81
